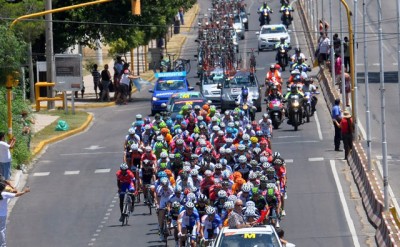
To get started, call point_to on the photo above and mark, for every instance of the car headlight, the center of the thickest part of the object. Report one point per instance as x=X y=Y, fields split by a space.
x=154 y=98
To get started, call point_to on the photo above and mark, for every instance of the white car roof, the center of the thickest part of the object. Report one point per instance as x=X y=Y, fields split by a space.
x=267 y=229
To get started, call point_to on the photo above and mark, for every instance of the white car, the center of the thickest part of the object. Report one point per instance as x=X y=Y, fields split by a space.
x=269 y=35
x=255 y=236
x=238 y=26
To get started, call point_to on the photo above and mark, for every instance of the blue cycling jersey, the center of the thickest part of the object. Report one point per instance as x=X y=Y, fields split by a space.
x=189 y=220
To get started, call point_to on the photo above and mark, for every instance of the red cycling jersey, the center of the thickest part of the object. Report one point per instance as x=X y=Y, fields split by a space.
x=126 y=178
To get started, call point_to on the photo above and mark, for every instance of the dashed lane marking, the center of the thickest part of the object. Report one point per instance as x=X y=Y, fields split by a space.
x=288 y=160
x=71 y=172
x=102 y=170
x=316 y=159
x=41 y=174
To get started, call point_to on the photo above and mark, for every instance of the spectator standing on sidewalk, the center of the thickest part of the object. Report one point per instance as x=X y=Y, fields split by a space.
x=5 y=155
x=347 y=130
x=338 y=68
x=96 y=80
x=105 y=82
x=347 y=87
x=324 y=48
x=27 y=122
x=125 y=85
x=346 y=55
x=336 y=43
x=181 y=15
x=323 y=27
x=336 y=119
x=4 y=196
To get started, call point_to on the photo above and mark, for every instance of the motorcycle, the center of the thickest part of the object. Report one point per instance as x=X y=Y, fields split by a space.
x=309 y=103
x=286 y=17
x=282 y=57
x=275 y=111
x=271 y=82
x=264 y=17
x=295 y=112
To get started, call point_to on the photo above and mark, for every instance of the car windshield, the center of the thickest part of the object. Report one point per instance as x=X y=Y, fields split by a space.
x=279 y=29
x=240 y=81
x=177 y=106
x=249 y=240
x=243 y=14
x=165 y=85
x=237 y=19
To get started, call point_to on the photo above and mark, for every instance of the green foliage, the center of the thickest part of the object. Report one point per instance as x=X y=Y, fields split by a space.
x=88 y=66
x=21 y=153
x=12 y=53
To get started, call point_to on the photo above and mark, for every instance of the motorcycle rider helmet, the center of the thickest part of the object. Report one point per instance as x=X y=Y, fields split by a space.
x=245 y=92
x=265 y=5
x=272 y=67
x=299 y=60
x=293 y=89
x=274 y=89
x=297 y=50
x=283 y=39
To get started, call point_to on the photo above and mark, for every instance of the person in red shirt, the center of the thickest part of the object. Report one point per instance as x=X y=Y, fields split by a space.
x=219 y=141
x=125 y=182
x=347 y=128
x=206 y=183
x=148 y=155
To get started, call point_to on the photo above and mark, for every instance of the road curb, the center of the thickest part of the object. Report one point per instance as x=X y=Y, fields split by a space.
x=62 y=136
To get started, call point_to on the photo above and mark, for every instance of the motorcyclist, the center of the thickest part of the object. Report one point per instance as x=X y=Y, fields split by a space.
x=282 y=45
x=246 y=104
x=309 y=87
x=287 y=6
x=272 y=73
x=293 y=93
x=297 y=53
x=301 y=65
x=275 y=94
x=264 y=9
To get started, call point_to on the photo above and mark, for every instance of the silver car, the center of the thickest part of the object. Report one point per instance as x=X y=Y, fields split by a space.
x=238 y=26
x=269 y=35
x=209 y=85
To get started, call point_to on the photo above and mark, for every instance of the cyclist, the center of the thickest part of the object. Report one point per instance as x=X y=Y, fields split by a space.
x=125 y=182
x=202 y=204
x=188 y=220
x=173 y=215
x=211 y=224
x=131 y=138
x=274 y=204
x=164 y=191
x=136 y=155
x=147 y=175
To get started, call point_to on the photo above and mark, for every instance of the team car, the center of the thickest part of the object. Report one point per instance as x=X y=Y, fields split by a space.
x=167 y=84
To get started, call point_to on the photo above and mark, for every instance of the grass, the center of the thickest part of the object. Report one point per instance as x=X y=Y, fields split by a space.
x=74 y=121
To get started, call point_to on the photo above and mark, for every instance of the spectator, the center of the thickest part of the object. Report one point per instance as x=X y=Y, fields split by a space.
x=26 y=123
x=236 y=219
x=3 y=209
x=96 y=80
x=336 y=118
x=338 y=68
x=347 y=87
x=181 y=15
x=323 y=48
x=336 y=43
x=347 y=129
x=105 y=82
x=125 y=85
x=346 y=55
x=323 y=27
x=5 y=155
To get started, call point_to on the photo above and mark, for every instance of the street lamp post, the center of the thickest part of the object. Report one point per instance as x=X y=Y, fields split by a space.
x=355 y=82
x=342 y=85
x=332 y=50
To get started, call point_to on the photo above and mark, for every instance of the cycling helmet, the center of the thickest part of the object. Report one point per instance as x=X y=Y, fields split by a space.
x=194 y=156
x=272 y=66
x=278 y=162
x=162 y=125
x=171 y=156
x=164 y=181
x=255 y=191
x=123 y=167
x=210 y=210
x=200 y=118
x=134 y=147
x=178 y=156
x=241 y=147
x=169 y=122
x=222 y=125
x=179 y=142
x=253 y=163
x=131 y=131
x=250 y=212
x=246 y=187
x=163 y=165
x=270 y=171
x=194 y=173
x=147 y=127
x=265 y=165
x=176 y=205
x=214 y=119
x=189 y=205
x=186 y=168
x=229 y=130
x=158 y=145
x=232 y=198
x=263 y=159
x=191 y=197
x=229 y=205
x=222 y=150
x=222 y=194
x=252 y=176
x=147 y=148
x=257 y=150
x=202 y=198
x=215 y=128
x=231 y=124
x=263 y=178
x=164 y=155
x=164 y=130
x=259 y=133
x=162 y=174
x=178 y=189
x=179 y=117
x=254 y=139
x=250 y=204
x=246 y=137
x=270 y=186
x=221 y=133
x=228 y=151
x=242 y=159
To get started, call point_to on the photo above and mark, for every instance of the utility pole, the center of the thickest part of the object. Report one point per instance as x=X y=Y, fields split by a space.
x=342 y=55
x=355 y=103
x=50 y=76
x=366 y=78
x=332 y=50
x=383 y=114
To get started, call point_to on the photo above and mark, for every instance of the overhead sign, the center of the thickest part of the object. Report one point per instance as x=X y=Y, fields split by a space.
x=68 y=70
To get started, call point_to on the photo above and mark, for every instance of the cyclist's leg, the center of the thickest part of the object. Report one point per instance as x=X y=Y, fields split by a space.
x=183 y=238
x=161 y=214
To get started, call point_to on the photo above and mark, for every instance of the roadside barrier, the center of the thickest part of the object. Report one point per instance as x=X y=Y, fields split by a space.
x=387 y=232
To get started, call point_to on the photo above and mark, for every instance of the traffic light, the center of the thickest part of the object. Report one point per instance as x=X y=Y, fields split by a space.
x=135 y=7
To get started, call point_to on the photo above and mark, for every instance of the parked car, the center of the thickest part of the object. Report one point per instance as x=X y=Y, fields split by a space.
x=232 y=88
x=167 y=84
x=269 y=35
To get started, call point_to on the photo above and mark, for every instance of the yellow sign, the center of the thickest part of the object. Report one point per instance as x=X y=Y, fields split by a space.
x=185 y=96
x=189 y=103
x=249 y=235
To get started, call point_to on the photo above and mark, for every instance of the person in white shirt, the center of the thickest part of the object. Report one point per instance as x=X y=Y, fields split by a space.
x=4 y=196
x=5 y=155
x=324 y=48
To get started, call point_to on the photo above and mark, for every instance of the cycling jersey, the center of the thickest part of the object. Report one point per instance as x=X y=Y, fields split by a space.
x=211 y=227
x=260 y=202
x=125 y=181
x=243 y=169
x=164 y=195
x=188 y=221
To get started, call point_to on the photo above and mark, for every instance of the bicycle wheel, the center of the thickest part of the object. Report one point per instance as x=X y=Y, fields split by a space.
x=149 y=200
x=125 y=214
x=165 y=231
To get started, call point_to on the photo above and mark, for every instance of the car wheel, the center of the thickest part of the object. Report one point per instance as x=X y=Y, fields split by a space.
x=259 y=49
x=242 y=38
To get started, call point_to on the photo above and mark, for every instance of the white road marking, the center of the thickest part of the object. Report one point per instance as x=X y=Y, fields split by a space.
x=344 y=205
x=316 y=159
x=281 y=137
x=362 y=130
x=318 y=126
x=295 y=142
x=391 y=193
x=90 y=153
x=41 y=174
x=379 y=157
x=288 y=160
x=71 y=172
x=102 y=170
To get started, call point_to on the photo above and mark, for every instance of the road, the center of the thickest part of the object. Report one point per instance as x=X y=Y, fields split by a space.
x=74 y=201
x=389 y=27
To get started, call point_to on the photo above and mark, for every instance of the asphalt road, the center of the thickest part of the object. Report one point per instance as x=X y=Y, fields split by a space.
x=73 y=200
x=392 y=91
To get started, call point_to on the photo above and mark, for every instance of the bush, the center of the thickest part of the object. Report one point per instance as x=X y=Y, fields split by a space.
x=21 y=154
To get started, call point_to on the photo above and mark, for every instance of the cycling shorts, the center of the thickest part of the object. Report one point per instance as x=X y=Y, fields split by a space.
x=146 y=179
x=190 y=231
x=126 y=187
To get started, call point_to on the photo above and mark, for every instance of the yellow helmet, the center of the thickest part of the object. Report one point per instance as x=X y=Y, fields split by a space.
x=254 y=139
